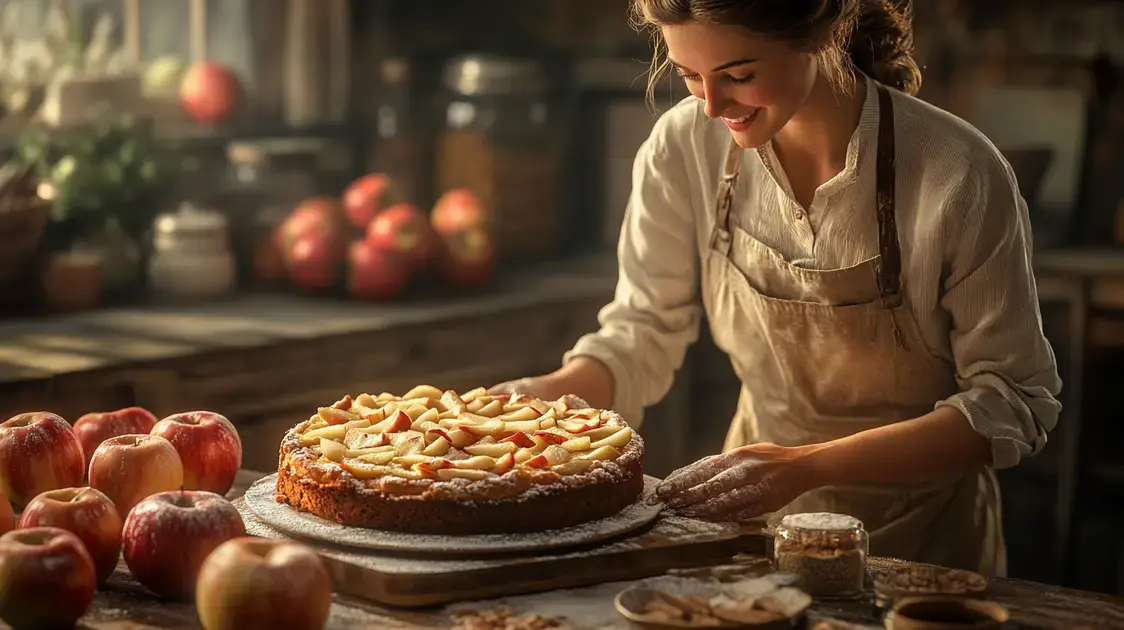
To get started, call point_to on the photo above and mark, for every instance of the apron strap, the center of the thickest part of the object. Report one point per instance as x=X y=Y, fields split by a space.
x=720 y=239
x=889 y=266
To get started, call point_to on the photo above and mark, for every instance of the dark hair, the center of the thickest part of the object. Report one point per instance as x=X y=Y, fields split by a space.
x=873 y=36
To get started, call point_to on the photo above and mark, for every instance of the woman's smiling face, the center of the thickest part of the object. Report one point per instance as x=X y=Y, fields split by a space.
x=754 y=84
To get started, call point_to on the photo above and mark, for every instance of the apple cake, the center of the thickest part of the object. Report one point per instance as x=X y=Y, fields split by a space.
x=433 y=462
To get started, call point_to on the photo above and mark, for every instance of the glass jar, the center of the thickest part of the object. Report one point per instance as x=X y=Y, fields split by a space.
x=503 y=138
x=401 y=151
x=827 y=551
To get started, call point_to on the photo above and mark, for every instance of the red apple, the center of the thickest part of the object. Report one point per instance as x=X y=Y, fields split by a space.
x=314 y=263
x=209 y=447
x=470 y=258
x=209 y=92
x=315 y=215
x=458 y=210
x=404 y=229
x=47 y=579
x=366 y=197
x=269 y=261
x=7 y=515
x=94 y=428
x=129 y=468
x=38 y=452
x=258 y=583
x=169 y=535
x=374 y=273
x=88 y=514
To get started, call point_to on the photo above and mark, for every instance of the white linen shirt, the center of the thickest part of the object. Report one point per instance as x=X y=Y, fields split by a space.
x=966 y=258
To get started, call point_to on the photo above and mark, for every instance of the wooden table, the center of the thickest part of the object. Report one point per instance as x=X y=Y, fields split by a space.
x=125 y=605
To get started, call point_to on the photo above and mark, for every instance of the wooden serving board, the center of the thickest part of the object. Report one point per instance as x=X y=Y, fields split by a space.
x=395 y=579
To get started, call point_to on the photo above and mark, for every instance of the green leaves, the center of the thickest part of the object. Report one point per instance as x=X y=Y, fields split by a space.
x=113 y=168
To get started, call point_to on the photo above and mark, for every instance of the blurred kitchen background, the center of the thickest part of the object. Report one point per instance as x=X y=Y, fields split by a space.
x=187 y=192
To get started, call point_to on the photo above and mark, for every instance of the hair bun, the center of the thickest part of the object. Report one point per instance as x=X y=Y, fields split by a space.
x=882 y=44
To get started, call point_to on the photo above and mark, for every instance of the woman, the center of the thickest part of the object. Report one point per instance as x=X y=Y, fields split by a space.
x=863 y=257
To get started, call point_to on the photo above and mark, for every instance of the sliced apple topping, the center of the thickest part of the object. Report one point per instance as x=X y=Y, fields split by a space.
x=551 y=437
x=331 y=432
x=358 y=452
x=362 y=438
x=408 y=444
x=447 y=415
x=460 y=438
x=447 y=474
x=524 y=455
x=396 y=423
x=579 y=426
x=343 y=403
x=479 y=462
x=519 y=439
x=473 y=394
x=412 y=459
x=423 y=391
x=602 y=453
x=496 y=449
x=523 y=413
x=431 y=435
x=551 y=456
x=573 y=467
x=429 y=416
x=503 y=464
x=452 y=402
x=379 y=458
x=366 y=400
x=577 y=445
x=548 y=422
x=426 y=427
x=521 y=426
x=601 y=433
x=492 y=427
x=364 y=470
x=332 y=450
x=414 y=410
x=369 y=414
x=616 y=440
x=438 y=447
x=491 y=410
x=332 y=415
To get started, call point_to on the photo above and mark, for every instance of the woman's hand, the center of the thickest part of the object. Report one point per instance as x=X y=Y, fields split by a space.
x=584 y=378
x=738 y=485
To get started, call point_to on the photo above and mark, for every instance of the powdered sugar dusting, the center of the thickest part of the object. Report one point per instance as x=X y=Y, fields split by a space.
x=824 y=521
x=260 y=499
x=667 y=530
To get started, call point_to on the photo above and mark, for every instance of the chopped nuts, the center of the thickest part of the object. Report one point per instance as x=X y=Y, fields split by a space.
x=500 y=618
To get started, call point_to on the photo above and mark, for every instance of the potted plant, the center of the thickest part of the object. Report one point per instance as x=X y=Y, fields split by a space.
x=106 y=183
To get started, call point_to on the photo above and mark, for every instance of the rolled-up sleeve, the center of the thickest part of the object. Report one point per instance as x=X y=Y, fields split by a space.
x=1005 y=367
x=654 y=316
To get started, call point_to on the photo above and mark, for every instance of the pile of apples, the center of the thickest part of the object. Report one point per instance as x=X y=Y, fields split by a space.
x=154 y=495
x=374 y=245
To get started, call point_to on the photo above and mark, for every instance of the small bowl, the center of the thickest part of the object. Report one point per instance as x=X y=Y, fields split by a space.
x=885 y=595
x=946 y=613
x=631 y=602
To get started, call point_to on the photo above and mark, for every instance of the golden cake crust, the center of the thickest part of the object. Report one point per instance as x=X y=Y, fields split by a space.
x=460 y=464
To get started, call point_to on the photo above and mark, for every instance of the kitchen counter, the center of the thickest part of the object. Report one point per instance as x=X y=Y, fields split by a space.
x=124 y=604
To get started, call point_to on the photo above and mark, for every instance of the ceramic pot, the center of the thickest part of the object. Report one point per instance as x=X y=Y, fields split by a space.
x=72 y=281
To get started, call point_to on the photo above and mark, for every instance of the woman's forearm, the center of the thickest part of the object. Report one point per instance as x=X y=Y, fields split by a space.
x=938 y=445
x=586 y=378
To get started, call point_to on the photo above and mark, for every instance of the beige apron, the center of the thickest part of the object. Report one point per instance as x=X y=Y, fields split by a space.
x=823 y=354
